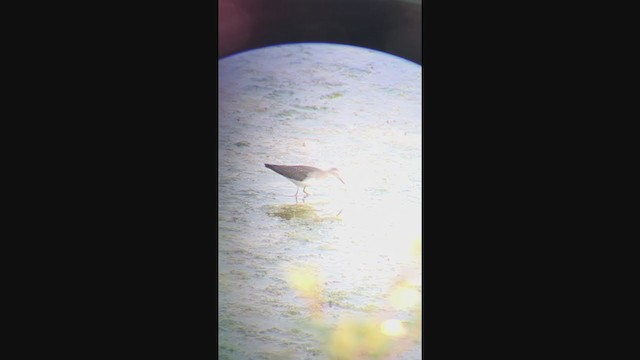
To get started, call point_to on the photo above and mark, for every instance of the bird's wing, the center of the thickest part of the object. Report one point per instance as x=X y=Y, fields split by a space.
x=296 y=172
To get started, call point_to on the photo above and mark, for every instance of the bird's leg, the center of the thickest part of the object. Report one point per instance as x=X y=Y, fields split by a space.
x=296 y=195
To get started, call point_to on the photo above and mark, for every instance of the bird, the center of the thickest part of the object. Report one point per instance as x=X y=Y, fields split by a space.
x=302 y=175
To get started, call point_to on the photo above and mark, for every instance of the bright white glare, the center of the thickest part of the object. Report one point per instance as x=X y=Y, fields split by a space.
x=393 y=327
x=388 y=229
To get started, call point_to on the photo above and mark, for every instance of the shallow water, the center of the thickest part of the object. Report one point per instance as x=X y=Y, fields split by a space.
x=326 y=106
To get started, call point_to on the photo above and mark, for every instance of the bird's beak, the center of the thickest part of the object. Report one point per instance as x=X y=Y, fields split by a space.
x=339 y=178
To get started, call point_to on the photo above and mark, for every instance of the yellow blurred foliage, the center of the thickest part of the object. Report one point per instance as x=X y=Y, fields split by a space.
x=374 y=337
x=358 y=339
x=309 y=284
x=306 y=280
x=343 y=343
x=404 y=297
x=416 y=247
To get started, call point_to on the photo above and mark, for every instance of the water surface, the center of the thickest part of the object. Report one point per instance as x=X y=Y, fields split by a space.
x=327 y=106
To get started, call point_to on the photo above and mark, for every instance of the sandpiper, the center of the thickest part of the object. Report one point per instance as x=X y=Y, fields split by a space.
x=302 y=175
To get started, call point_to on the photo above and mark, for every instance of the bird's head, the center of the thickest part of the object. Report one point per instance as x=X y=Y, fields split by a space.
x=334 y=172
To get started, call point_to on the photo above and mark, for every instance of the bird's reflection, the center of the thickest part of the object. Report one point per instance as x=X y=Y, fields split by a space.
x=301 y=211
x=293 y=211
